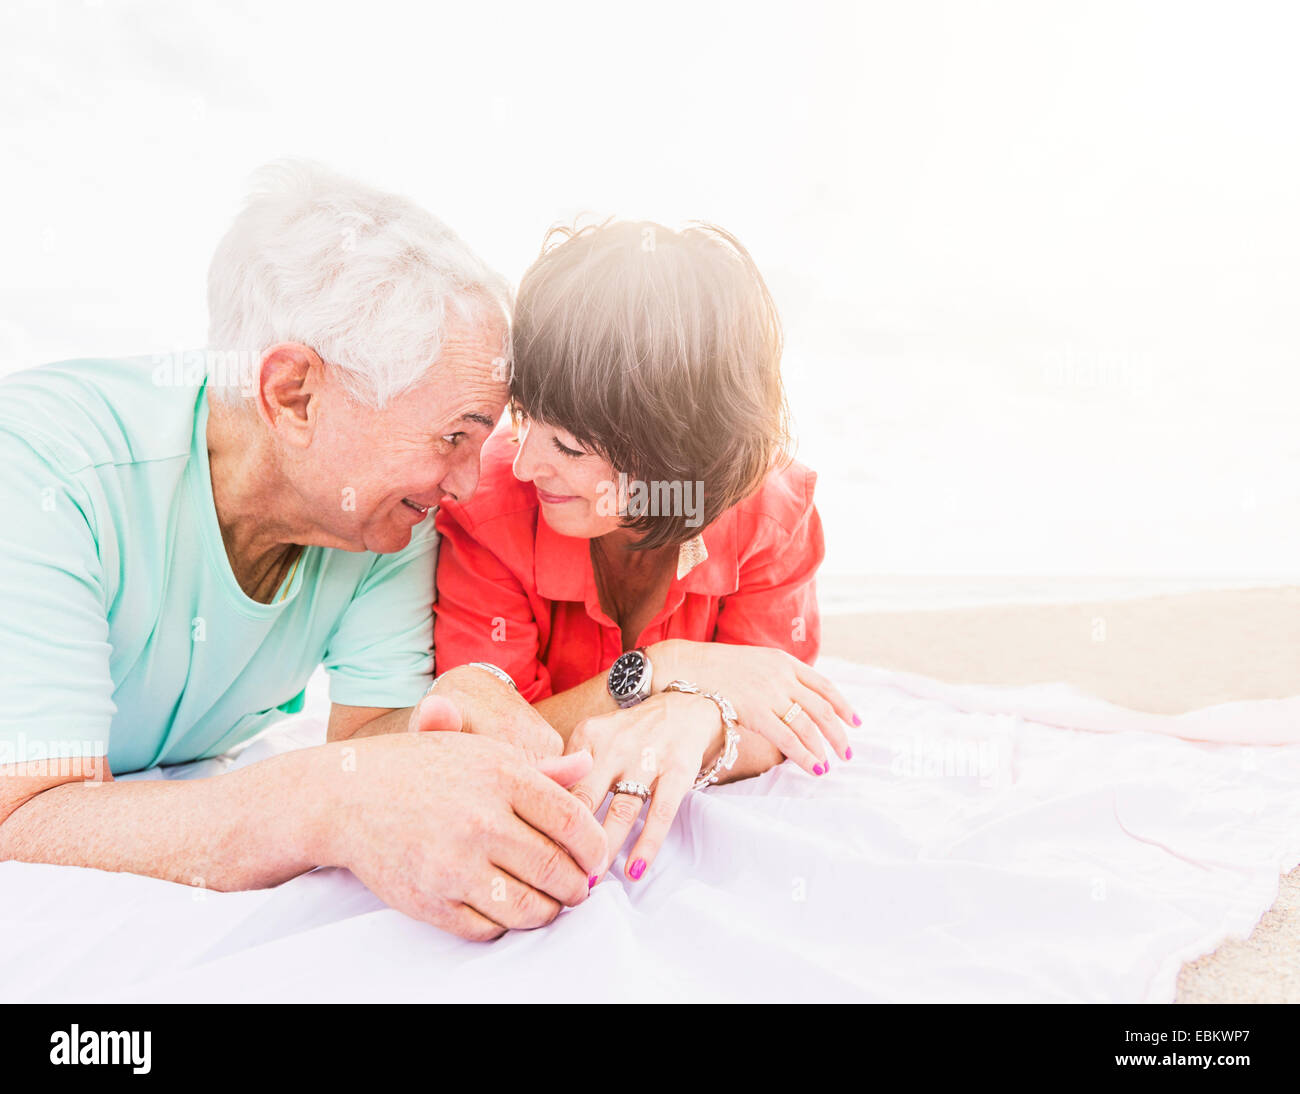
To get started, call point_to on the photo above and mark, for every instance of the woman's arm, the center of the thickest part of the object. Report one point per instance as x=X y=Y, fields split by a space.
x=765 y=630
x=483 y=613
x=756 y=679
x=672 y=659
x=766 y=639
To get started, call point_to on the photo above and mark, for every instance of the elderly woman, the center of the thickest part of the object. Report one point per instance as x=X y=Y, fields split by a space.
x=177 y=557
x=641 y=559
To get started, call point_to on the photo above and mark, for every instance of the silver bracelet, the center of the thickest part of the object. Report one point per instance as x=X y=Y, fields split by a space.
x=731 y=737
x=500 y=674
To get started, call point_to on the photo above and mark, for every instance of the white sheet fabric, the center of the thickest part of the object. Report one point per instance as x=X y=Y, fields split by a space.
x=966 y=853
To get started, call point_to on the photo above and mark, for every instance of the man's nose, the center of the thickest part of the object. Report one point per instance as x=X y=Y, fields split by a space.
x=461 y=482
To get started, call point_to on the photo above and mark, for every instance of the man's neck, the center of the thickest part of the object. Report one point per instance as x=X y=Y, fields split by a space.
x=254 y=504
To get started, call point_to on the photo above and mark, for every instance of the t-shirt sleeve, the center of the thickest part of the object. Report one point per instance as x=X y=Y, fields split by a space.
x=56 y=690
x=776 y=601
x=483 y=611
x=381 y=652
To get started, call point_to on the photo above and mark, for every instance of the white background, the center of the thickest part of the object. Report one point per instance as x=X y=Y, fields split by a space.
x=1038 y=263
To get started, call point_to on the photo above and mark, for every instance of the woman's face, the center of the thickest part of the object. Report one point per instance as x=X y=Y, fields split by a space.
x=576 y=488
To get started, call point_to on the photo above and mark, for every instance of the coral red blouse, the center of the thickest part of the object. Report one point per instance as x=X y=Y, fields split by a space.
x=514 y=592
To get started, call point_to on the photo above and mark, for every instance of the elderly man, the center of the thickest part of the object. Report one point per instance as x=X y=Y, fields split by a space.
x=176 y=559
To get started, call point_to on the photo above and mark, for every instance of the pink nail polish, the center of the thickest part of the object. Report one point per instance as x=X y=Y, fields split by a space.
x=856 y=720
x=828 y=766
x=848 y=753
x=591 y=881
x=818 y=769
x=638 y=868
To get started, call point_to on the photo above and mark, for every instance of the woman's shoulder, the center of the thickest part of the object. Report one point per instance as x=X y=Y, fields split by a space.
x=783 y=498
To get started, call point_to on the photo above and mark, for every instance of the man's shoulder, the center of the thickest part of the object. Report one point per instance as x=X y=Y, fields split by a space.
x=92 y=412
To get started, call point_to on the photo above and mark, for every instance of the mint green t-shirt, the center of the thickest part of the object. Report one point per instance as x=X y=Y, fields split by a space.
x=122 y=628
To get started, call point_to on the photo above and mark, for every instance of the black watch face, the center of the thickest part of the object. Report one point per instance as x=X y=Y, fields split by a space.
x=625 y=674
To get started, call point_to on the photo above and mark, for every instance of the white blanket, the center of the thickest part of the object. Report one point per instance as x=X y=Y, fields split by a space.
x=966 y=853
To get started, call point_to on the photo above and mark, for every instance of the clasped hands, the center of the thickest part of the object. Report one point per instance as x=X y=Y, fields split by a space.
x=661 y=743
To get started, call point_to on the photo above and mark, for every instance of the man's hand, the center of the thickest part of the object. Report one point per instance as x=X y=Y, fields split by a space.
x=456 y=830
x=470 y=700
x=459 y=831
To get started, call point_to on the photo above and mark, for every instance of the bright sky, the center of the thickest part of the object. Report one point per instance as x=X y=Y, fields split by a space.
x=1038 y=264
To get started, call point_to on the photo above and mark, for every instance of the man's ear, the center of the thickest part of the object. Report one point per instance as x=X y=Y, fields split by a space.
x=289 y=383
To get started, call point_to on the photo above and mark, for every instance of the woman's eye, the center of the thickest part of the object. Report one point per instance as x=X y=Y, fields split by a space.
x=564 y=449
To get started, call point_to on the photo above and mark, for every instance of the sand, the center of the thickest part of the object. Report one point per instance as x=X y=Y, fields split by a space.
x=1164 y=654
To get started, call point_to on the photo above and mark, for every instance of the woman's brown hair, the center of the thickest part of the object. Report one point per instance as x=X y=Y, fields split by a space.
x=661 y=351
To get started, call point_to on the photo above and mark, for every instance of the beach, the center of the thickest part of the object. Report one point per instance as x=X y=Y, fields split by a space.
x=1163 y=654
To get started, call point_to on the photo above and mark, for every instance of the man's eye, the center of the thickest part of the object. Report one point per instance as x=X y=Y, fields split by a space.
x=454 y=439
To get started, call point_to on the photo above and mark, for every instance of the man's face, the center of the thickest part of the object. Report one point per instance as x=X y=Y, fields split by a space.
x=370 y=476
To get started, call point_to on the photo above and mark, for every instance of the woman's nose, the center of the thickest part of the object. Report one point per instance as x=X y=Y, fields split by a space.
x=524 y=458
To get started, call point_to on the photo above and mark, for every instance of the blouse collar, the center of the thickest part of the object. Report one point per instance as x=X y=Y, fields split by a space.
x=708 y=563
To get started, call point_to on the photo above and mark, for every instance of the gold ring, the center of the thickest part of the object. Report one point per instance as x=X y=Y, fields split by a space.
x=791 y=713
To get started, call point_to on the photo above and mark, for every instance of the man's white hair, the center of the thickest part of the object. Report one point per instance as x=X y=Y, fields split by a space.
x=369 y=280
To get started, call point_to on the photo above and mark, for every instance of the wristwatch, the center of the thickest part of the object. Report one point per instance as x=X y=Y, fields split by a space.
x=629 y=678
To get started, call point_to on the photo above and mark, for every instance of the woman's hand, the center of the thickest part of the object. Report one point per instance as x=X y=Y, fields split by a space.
x=662 y=743
x=764 y=685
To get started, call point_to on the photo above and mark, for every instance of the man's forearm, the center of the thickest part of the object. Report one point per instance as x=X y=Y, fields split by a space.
x=247 y=829
x=585 y=700
x=393 y=721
